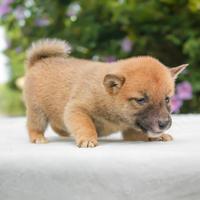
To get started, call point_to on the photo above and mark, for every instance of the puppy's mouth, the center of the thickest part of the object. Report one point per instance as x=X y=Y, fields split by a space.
x=142 y=128
x=148 y=131
x=154 y=134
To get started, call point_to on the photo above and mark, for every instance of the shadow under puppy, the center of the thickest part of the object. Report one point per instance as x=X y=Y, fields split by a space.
x=87 y=99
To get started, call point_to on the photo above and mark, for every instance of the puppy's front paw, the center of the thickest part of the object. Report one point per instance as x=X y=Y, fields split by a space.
x=86 y=143
x=39 y=140
x=164 y=137
x=42 y=140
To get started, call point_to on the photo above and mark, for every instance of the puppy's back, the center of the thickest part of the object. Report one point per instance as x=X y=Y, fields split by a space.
x=52 y=77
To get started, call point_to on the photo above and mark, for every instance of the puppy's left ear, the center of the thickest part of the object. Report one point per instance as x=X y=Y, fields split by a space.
x=175 y=71
x=113 y=83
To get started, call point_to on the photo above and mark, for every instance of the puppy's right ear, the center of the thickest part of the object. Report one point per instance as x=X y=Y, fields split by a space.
x=113 y=83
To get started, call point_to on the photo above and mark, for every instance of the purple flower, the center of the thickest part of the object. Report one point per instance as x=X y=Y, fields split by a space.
x=19 y=13
x=176 y=103
x=42 y=22
x=184 y=90
x=126 y=45
x=4 y=9
x=7 y=2
x=18 y=49
x=110 y=59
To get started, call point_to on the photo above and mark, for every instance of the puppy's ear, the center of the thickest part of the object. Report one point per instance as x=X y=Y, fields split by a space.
x=175 y=71
x=113 y=83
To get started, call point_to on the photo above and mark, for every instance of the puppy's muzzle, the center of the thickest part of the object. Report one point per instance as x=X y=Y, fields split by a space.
x=155 y=126
x=164 y=123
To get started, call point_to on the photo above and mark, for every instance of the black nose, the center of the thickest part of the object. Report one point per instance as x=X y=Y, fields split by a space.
x=163 y=123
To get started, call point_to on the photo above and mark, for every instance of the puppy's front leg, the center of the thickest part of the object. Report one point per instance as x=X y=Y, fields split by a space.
x=163 y=137
x=132 y=135
x=81 y=126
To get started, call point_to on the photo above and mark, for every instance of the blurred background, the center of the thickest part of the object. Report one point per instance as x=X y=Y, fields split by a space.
x=105 y=30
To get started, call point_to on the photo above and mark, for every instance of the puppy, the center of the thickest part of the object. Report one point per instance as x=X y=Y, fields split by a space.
x=87 y=99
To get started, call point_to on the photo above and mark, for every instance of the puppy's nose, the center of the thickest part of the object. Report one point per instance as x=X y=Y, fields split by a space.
x=163 y=123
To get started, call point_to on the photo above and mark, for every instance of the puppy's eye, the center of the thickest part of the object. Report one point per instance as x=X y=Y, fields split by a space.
x=140 y=101
x=167 y=99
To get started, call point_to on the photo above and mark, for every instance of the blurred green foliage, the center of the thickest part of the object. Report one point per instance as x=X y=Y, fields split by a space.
x=166 y=29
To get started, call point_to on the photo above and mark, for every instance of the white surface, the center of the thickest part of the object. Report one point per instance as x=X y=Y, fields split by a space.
x=114 y=170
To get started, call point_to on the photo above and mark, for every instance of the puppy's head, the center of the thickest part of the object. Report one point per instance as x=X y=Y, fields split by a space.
x=141 y=89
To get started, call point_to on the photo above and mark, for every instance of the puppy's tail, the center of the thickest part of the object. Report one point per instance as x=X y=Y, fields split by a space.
x=46 y=48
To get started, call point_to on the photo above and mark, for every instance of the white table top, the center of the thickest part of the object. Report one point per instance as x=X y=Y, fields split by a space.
x=113 y=170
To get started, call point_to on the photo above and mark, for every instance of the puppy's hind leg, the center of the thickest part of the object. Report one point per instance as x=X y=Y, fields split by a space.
x=37 y=124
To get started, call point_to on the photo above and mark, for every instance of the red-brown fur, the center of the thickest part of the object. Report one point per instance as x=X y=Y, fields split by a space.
x=78 y=97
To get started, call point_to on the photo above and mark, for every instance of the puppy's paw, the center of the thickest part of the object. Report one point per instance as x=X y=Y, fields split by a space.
x=86 y=143
x=166 y=137
x=39 y=140
x=163 y=137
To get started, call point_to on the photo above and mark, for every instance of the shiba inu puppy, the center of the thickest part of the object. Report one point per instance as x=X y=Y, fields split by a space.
x=87 y=99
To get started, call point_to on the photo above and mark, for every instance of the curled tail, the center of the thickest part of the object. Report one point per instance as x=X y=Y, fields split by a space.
x=46 y=48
